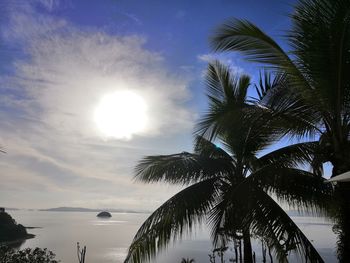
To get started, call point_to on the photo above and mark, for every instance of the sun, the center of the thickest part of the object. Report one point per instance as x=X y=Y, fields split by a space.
x=121 y=114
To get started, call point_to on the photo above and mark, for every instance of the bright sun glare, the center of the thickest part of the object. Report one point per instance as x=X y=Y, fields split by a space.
x=121 y=114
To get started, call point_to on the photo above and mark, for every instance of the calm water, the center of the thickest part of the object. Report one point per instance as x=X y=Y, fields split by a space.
x=107 y=239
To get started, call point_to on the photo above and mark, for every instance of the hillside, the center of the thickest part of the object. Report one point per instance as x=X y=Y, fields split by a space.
x=10 y=230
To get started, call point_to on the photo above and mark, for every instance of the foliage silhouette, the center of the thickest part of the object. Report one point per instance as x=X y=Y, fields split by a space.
x=28 y=255
x=229 y=187
x=10 y=230
x=311 y=93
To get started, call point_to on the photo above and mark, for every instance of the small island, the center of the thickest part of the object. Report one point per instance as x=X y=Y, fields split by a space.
x=104 y=214
x=10 y=230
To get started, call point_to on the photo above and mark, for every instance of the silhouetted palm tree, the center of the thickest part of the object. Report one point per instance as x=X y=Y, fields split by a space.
x=313 y=88
x=230 y=189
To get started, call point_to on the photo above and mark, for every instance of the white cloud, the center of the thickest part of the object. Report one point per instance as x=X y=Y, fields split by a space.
x=48 y=169
x=230 y=60
x=55 y=154
x=206 y=57
x=68 y=73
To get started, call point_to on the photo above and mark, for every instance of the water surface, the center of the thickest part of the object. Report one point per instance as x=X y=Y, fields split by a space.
x=107 y=240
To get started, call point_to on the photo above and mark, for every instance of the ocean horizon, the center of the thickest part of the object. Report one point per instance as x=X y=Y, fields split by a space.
x=107 y=240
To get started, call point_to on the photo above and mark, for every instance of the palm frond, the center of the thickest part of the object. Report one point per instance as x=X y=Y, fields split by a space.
x=270 y=221
x=263 y=216
x=219 y=81
x=170 y=220
x=181 y=168
x=256 y=46
x=252 y=133
x=227 y=96
x=216 y=221
x=204 y=147
x=295 y=110
x=242 y=89
x=291 y=155
x=231 y=113
x=243 y=36
x=290 y=110
x=223 y=85
x=218 y=119
x=300 y=189
x=266 y=83
x=311 y=153
x=223 y=224
x=320 y=39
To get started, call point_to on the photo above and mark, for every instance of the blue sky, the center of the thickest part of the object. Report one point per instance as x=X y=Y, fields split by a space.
x=58 y=58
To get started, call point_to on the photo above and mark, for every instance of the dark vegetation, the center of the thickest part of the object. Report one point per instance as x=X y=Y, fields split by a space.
x=36 y=255
x=303 y=93
x=310 y=87
x=230 y=187
x=28 y=255
x=10 y=230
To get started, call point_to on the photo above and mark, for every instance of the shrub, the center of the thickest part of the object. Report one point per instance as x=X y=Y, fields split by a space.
x=28 y=255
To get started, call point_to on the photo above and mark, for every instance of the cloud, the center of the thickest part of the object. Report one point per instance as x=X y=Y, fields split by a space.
x=50 y=5
x=53 y=170
x=230 y=60
x=69 y=70
x=55 y=155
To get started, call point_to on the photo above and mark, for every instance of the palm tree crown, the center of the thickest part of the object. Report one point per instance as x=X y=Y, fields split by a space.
x=311 y=94
x=229 y=189
x=313 y=91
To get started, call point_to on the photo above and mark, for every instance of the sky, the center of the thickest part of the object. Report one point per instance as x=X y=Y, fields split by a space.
x=59 y=59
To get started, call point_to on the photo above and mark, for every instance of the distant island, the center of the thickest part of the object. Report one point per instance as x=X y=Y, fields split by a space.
x=10 y=230
x=104 y=214
x=82 y=209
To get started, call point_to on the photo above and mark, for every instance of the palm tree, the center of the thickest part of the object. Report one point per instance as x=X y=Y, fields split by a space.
x=313 y=88
x=230 y=189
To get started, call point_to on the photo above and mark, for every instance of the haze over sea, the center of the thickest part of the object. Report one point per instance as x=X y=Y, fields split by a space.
x=108 y=239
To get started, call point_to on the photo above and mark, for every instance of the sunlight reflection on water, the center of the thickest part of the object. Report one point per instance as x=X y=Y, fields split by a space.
x=116 y=254
x=107 y=222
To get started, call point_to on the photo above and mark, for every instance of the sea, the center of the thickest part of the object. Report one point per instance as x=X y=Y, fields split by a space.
x=107 y=240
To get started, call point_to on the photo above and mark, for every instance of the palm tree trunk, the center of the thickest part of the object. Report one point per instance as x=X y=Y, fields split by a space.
x=236 y=252
x=248 y=255
x=341 y=161
x=341 y=164
x=263 y=250
x=240 y=251
x=342 y=227
x=270 y=255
